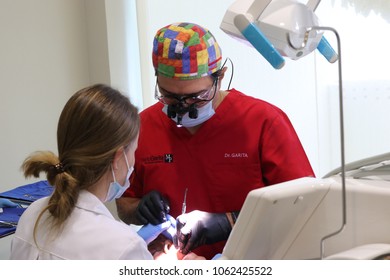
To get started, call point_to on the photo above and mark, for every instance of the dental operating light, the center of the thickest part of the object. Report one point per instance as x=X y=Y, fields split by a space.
x=277 y=29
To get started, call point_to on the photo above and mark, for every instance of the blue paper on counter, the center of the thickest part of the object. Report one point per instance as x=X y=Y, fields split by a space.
x=29 y=193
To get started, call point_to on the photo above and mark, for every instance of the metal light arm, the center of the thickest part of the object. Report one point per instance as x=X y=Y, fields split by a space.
x=342 y=141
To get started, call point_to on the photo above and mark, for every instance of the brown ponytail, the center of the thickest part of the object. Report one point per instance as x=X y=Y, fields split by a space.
x=94 y=124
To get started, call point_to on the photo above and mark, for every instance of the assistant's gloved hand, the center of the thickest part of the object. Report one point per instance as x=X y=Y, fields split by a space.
x=7 y=203
x=170 y=232
x=150 y=232
x=152 y=208
x=198 y=228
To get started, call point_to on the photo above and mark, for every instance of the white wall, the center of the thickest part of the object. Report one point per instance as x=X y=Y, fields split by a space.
x=44 y=59
x=50 y=49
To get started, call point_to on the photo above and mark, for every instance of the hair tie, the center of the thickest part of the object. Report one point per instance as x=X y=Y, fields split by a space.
x=59 y=168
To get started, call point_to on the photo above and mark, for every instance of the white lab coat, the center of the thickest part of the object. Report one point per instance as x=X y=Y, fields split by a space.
x=90 y=233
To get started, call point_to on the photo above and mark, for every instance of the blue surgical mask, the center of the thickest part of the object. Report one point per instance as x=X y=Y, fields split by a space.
x=115 y=189
x=204 y=113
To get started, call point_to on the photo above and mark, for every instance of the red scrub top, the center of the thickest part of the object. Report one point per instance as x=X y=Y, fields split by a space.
x=247 y=144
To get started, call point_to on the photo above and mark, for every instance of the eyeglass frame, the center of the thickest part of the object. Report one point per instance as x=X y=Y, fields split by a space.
x=183 y=98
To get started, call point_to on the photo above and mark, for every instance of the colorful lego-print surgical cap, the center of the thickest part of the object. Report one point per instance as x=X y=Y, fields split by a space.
x=185 y=51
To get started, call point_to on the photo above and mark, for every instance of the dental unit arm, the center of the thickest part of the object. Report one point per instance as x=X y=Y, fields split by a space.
x=273 y=28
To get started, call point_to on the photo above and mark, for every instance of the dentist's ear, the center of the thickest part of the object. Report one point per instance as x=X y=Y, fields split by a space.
x=222 y=73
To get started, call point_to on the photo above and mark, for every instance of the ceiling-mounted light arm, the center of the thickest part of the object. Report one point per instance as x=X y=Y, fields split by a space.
x=258 y=7
x=313 y=4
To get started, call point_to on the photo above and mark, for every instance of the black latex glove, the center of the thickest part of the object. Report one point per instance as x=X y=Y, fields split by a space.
x=198 y=228
x=152 y=208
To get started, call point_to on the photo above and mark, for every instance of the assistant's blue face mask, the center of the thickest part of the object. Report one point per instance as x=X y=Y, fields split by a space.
x=116 y=190
x=189 y=116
